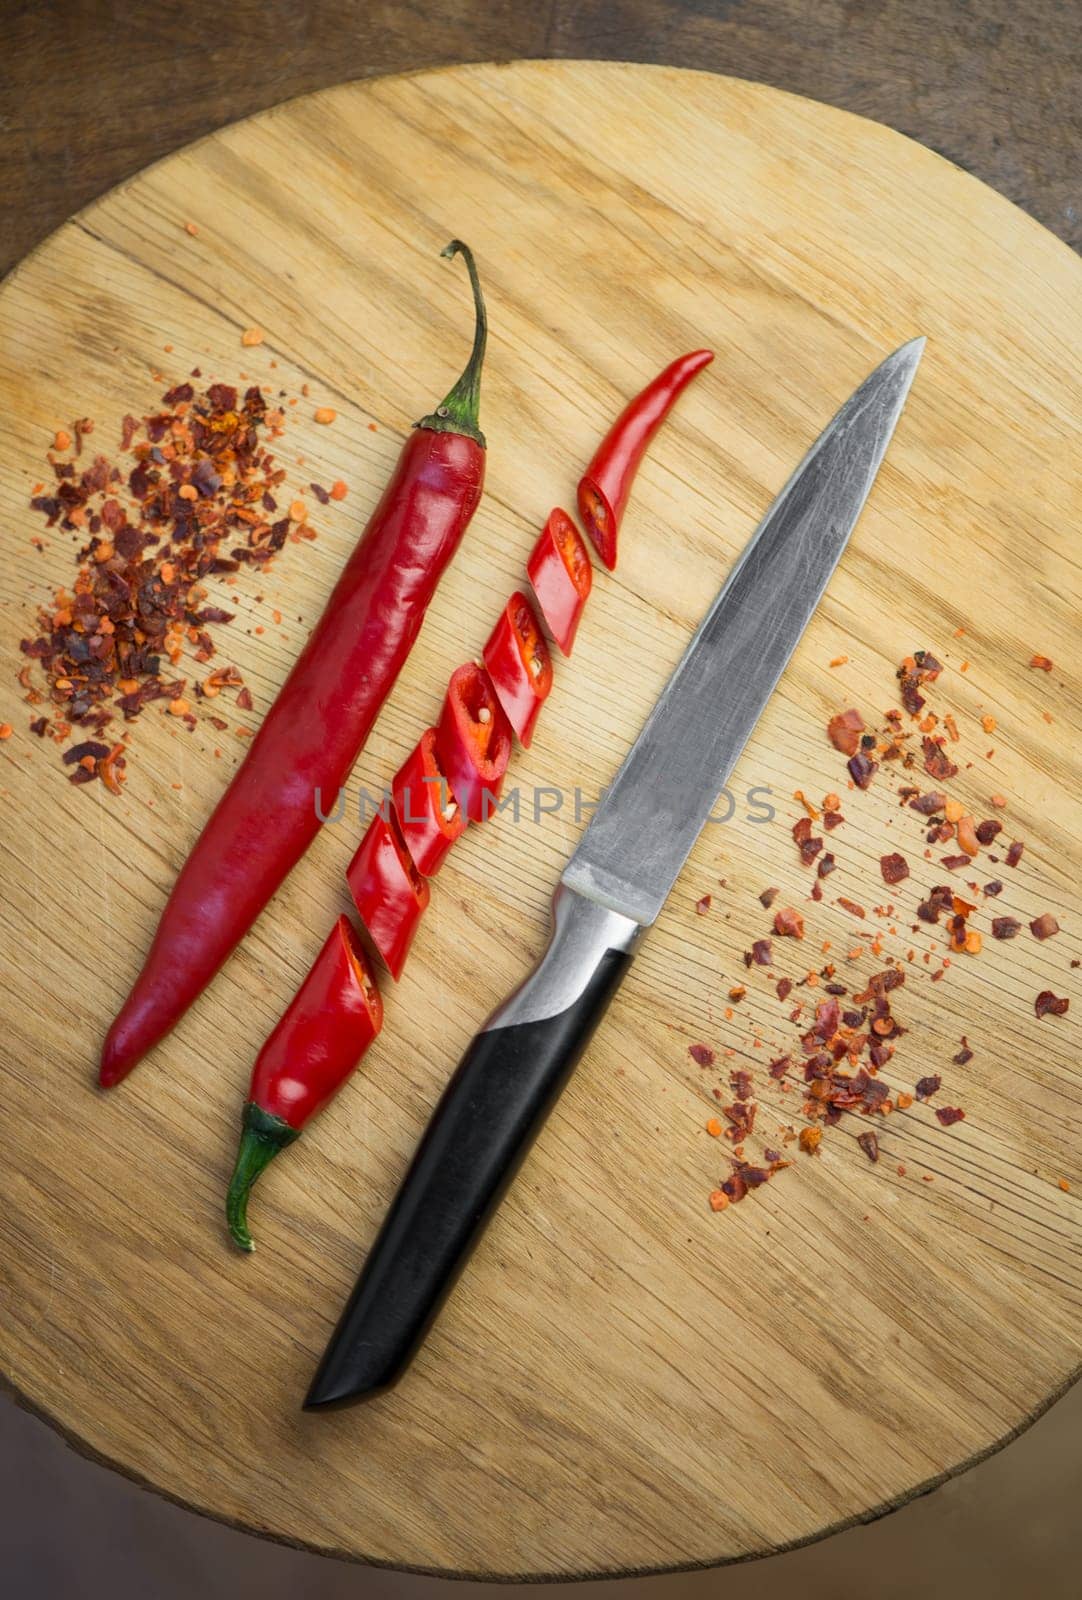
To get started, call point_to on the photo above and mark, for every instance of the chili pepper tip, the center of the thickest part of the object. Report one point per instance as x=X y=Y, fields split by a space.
x=262 y=1136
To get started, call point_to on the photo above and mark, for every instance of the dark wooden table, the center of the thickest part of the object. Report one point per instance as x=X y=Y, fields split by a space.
x=93 y=90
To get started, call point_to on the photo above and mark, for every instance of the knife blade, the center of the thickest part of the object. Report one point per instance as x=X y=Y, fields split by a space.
x=612 y=889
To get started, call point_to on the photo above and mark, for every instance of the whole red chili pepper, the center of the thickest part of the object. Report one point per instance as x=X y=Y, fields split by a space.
x=561 y=574
x=387 y=889
x=604 y=487
x=519 y=665
x=316 y=727
x=473 y=741
x=430 y=817
x=316 y=1045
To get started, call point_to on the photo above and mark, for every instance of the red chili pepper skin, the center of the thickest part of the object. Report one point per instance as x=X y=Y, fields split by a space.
x=388 y=891
x=473 y=741
x=560 y=572
x=606 y=483
x=430 y=817
x=314 y=731
x=519 y=665
x=313 y=1049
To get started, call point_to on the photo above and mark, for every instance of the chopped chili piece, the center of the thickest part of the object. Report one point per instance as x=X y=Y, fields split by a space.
x=1049 y=1005
x=762 y=953
x=767 y=898
x=473 y=741
x=1044 y=926
x=560 y=571
x=949 y=1115
x=927 y=1087
x=784 y=988
x=606 y=483
x=702 y=906
x=430 y=816
x=519 y=665
x=986 y=831
x=701 y=1054
x=1042 y=663
x=313 y=1049
x=388 y=891
x=789 y=923
x=851 y=906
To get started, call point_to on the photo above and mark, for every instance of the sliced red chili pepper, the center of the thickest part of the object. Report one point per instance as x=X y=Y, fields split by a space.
x=387 y=889
x=430 y=817
x=519 y=665
x=561 y=574
x=473 y=741
x=313 y=1049
x=607 y=481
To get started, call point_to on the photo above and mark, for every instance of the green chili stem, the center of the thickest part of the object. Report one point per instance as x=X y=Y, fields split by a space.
x=262 y=1136
x=458 y=412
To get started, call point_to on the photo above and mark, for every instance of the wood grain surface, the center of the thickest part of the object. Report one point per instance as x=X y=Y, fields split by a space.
x=993 y=86
x=624 y=1380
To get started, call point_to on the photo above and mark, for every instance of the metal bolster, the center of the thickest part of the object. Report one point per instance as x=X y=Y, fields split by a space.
x=582 y=933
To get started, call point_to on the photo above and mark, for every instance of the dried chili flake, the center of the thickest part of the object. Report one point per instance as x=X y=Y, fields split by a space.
x=850 y=906
x=779 y=1067
x=784 y=988
x=844 y=731
x=788 y=923
x=869 y=1143
x=808 y=846
x=703 y=906
x=862 y=769
x=987 y=830
x=762 y=953
x=1014 y=853
x=894 y=868
x=927 y=1087
x=1042 y=663
x=701 y=1054
x=964 y=1055
x=949 y=1115
x=1044 y=926
x=718 y=1200
x=810 y=1140
x=767 y=898
x=1049 y=1005
x=936 y=761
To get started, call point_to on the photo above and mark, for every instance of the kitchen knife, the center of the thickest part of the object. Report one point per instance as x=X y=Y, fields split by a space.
x=612 y=889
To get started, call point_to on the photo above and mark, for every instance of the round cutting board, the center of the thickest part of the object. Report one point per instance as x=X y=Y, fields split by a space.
x=624 y=1380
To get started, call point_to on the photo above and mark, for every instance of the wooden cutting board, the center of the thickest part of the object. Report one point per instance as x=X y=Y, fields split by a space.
x=624 y=1380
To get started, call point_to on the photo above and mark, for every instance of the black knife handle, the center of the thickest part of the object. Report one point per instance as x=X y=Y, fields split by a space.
x=482 y=1127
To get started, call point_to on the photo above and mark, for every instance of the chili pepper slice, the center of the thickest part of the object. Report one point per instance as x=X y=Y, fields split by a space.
x=316 y=727
x=430 y=817
x=473 y=741
x=606 y=483
x=387 y=889
x=314 y=1047
x=519 y=665
x=561 y=574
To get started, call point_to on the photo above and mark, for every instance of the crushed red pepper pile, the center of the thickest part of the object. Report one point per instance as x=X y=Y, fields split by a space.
x=846 y=1039
x=192 y=495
